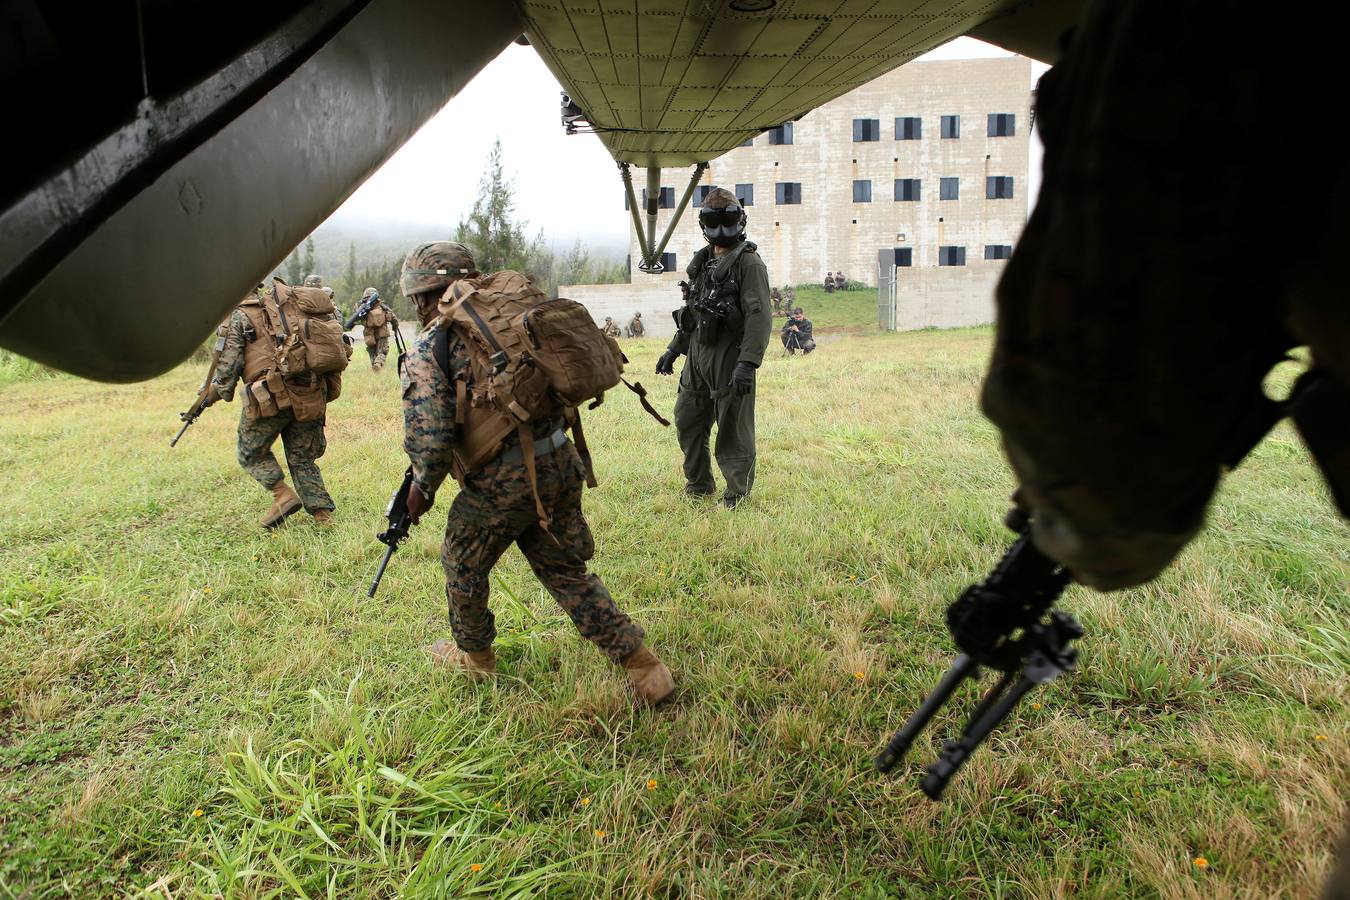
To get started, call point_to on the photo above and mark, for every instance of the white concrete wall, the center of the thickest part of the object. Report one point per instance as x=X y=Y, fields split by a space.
x=947 y=296
x=654 y=296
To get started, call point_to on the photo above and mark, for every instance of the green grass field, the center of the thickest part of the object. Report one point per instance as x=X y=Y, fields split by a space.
x=190 y=706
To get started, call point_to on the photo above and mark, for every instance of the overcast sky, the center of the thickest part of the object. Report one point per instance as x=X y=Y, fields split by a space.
x=564 y=185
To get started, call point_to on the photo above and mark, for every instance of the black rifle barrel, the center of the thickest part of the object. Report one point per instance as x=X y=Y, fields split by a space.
x=187 y=423
x=379 y=573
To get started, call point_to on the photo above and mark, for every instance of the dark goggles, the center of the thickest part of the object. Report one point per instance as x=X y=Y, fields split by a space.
x=713 y=218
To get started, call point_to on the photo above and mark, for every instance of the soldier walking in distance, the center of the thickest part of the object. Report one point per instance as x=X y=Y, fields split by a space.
x=635 y=326
x=292 y=407
x=611 y=327
x=377 y=325
x=724 y=327
x=496 y=505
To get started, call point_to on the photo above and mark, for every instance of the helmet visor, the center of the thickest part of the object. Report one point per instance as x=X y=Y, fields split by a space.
x=728 y=216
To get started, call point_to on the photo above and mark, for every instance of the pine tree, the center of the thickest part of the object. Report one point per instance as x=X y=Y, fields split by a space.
x=309 y=256
x=294 y=272
x=351 y=287
x=497 y=241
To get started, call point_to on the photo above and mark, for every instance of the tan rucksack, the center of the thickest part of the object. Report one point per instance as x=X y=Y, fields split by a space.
x=303 y=352
x=530 y=358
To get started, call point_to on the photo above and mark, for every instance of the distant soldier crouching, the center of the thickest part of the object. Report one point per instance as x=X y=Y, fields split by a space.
x=611 y=327
x=635 y=328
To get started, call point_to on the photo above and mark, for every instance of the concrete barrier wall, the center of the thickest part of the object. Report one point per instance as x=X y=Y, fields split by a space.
x=652 y=295
x=946 y=296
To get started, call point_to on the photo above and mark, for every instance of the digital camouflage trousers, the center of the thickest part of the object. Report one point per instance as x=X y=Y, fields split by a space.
x=304 y=443
x=494 y=509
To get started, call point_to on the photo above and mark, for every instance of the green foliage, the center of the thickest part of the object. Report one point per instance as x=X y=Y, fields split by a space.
x=15 y=368
x=309 y=257
x=161 y=655
x=295 y=273
x=350 y=280
x=495 y=236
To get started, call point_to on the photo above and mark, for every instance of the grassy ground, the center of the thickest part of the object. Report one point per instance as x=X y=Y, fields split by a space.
x=840 y=310
x=189 y=705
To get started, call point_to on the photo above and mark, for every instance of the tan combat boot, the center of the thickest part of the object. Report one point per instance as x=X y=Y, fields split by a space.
x=284 y=502
x=479 y=664
x=322 y=517
x=648 y=675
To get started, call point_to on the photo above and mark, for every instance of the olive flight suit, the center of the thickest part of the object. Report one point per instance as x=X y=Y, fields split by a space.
x=736 y=283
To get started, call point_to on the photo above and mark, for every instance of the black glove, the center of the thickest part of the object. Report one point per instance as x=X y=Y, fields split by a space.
x=743 y=378
x=666 y=364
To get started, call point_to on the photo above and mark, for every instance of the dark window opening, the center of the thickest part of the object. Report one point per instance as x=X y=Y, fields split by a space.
x=998 y=251
x=908 y=128
x=668 y=261
x=788 y=192
x=1002 y=124
x=949 y=189
x=951 y=126
x=745 y=193
x=701 y=193
x=782 y=134
x=862 y=192
x=998 y=187
x=866 y=130
x=907 y=189
x=904 y=256
x=951 y=256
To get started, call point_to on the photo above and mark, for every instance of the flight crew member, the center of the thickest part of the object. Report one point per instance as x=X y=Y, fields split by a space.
x=495 y=505
x=798 y=333
x=724 y=327
x=635 y=326
x=376 y=326
x=247 y=355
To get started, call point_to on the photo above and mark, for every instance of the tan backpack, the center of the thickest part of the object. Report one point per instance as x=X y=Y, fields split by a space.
x=530 y=358
x=306 y=352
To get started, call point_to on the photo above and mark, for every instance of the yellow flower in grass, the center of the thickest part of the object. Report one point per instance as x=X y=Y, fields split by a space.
x=1201 y=862
x=600 y=832
x=476 y=867
x=1320 y=737
x=651 y=784
x=859 y=676
x=585 y=801
x=198 y=813
x=1035 y=706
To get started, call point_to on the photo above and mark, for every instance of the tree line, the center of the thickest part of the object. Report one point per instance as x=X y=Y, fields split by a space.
x=499 y=240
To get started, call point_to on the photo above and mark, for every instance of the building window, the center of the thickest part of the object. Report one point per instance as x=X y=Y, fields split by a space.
x=949 y=189
x=866 y=130
x=998 y=187
x=748 y=142
x=701 y=193
x=904 y=256
x=908 y=128
x=862 y=192
x=665 y=200
x=907 y=189
x=1002 y=124
x=951 y=256
x=668 y=261
x=998 y=251
x=782 y=134
x=951 y=126
x=745 y=194
x=789 y=192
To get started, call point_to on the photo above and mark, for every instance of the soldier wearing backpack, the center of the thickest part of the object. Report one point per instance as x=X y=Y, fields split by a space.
x=377 y=324
x=286 y=346
x=724 y=327
x=479 y=403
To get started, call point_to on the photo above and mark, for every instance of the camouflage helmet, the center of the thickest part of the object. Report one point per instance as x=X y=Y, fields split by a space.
x=722 y=218
x=312 y=280
x=329 y=291
x=368 y=293
x=433 y=266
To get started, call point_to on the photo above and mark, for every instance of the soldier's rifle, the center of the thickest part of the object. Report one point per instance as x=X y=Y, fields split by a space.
x=361 y=311
x=1005 y=623
x=196 y=409
x=400 y=522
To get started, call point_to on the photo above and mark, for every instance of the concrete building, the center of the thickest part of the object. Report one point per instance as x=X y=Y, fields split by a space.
x=924 y=168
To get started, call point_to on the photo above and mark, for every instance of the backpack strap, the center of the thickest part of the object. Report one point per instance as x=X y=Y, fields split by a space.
x=498 y=359
x=641 y=391
x=573 y=417
x=526 y=437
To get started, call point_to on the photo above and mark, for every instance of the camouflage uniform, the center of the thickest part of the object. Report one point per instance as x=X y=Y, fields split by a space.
x=377 y=338
x=611 y=328
x=495 y=508
x=635 y=326
x=304 y=442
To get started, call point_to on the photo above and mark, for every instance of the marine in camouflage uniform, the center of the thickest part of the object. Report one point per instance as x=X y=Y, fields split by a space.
x=635 y=327
x=717 y=385
x=495 y=506
x=377 y=336
x=611 y=327
x=304 y=442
